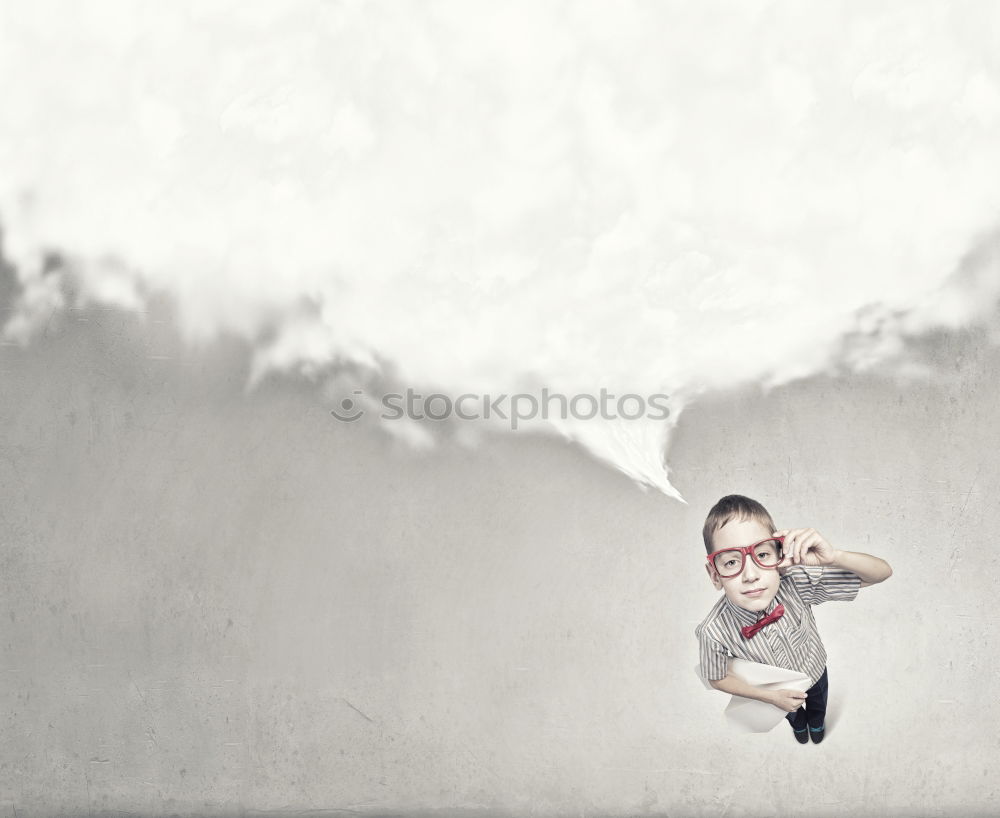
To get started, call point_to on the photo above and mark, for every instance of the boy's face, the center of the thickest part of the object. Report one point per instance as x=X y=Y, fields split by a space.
x=755 y=587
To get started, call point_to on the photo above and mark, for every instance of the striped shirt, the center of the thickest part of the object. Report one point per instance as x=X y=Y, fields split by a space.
x=791 y=642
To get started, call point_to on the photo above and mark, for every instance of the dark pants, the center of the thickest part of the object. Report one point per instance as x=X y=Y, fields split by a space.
x=814 y=712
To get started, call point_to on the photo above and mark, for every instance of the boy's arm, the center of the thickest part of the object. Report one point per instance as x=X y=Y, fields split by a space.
x=872 y=570
x=783 y=699
x=806 y=546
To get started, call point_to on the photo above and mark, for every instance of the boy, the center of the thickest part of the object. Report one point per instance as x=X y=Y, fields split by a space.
x=765 y=614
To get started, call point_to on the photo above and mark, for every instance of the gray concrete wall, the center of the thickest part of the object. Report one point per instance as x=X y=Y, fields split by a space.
x=225 y=603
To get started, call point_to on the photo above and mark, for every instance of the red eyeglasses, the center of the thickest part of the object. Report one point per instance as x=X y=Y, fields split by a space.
x=729 y=562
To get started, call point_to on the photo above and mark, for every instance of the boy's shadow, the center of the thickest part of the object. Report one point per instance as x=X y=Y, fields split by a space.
x=833 y=712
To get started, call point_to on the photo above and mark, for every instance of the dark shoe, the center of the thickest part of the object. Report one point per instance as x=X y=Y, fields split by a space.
x=801 y=736
x=817 y=733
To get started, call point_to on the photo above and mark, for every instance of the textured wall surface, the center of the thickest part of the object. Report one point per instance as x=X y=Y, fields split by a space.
x=220 y=602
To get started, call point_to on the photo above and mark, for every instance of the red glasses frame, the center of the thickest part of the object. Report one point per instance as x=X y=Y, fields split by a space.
x=744 y=551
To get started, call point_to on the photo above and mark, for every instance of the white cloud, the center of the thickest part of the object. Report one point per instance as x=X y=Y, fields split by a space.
x=646 y=197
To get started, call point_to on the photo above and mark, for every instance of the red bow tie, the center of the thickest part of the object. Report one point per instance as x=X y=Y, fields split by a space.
x=749 y=630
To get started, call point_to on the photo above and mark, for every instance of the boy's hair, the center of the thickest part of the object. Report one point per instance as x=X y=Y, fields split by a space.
x=733 y=506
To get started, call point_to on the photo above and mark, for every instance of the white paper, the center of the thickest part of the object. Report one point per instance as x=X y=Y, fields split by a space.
x=750 y=715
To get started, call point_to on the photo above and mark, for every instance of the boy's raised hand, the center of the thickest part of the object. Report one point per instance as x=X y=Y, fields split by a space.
x=804 y=546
